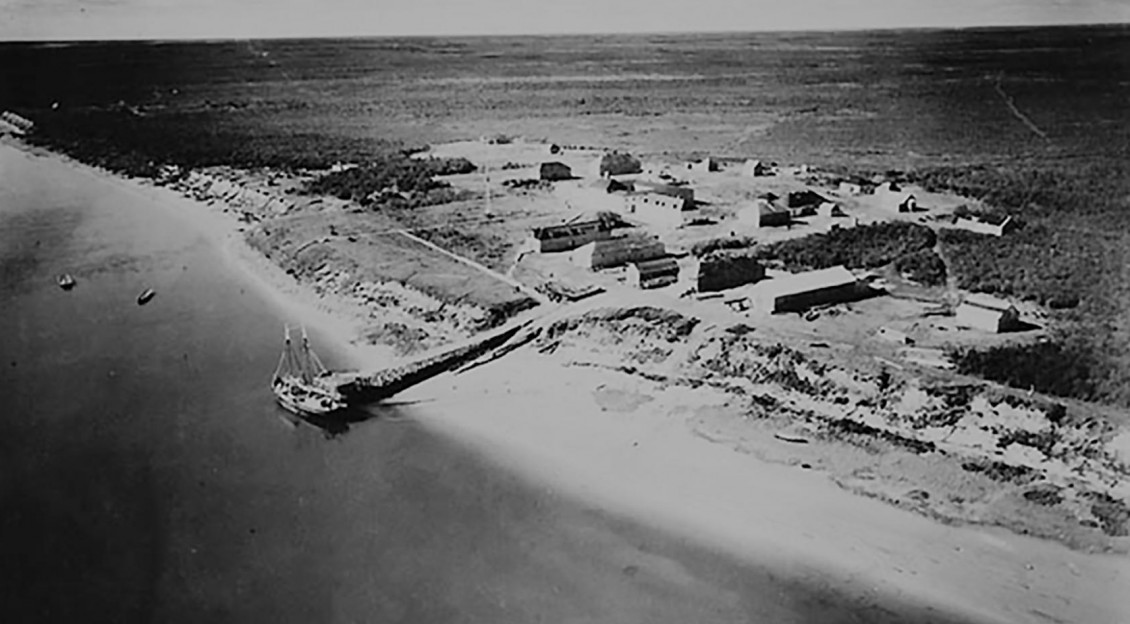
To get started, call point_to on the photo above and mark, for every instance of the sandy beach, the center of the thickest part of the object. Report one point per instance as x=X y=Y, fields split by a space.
x=549 y=423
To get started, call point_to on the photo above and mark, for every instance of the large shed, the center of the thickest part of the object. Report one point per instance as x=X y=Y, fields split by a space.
x=655 y=273
x=682 y=192
x=988 y=314
x=575 y=233
x=656 y=209
x=805 y=290
x=614 y=252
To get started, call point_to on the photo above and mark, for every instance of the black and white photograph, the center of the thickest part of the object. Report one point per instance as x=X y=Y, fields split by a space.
x=584 y=312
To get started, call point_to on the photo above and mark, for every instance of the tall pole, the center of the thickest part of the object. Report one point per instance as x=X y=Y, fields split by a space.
x=486 y=184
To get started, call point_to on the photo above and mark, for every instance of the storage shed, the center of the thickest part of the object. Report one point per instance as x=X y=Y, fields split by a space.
x=988 y=314
x=764 y=214
x=655 y=273
x=755 y=169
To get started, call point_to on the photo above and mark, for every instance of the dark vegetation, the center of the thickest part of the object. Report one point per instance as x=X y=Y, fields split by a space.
x=1067 y=368
x=725 y=268
x=394 y=179
x=1113 y=514
x=1000 y=471
x=922 y=266
x=1031 y=263
x=863 y=247
x=138 y=145
x=705 y=247
x=1068 y=255
x=664 y=324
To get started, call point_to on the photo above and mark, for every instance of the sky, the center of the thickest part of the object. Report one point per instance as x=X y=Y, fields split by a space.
x=215 y=19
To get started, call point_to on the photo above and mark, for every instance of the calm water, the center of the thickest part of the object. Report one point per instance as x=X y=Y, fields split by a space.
x=146 y=476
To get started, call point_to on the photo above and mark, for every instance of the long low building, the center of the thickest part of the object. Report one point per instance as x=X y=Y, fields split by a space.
x=571 y=235
x=615 y=252
x=800 y=291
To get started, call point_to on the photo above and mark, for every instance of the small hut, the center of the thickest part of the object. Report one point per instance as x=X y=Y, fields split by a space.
x=612 y=185
x=706 y=165
x=755 y=169
x=555 y=171
x=764 y=214
x=655 y=273
x=830 y=209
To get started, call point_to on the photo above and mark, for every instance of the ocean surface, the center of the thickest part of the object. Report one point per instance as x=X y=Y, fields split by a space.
x=146 y=474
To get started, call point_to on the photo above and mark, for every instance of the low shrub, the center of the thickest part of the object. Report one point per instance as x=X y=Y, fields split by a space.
x=923 y=266
x=866 y=246
x=705 y=247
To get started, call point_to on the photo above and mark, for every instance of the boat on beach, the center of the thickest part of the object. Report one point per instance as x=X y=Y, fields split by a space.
x=66 y=281
x=301 y=383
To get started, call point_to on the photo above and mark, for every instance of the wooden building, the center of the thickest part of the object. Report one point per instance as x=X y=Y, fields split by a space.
x=800 y=291
x=655 y=273
x=988 y=314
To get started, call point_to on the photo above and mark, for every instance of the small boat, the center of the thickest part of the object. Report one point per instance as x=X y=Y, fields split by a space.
x=302 y=384
x=66 y=282
x=146 y=296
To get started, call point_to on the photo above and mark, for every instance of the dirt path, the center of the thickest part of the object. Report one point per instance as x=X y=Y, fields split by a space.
x=531 y=293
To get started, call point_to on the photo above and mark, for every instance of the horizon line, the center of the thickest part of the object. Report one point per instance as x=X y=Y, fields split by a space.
x=688 y=33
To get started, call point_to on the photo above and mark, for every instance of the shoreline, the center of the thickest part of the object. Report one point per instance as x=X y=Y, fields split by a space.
x=590 y=444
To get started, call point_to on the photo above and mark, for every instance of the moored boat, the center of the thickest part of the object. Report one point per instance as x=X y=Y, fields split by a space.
x=301 y=384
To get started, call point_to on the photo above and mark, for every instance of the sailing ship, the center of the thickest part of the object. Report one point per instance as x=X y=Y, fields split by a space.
x=302 y=384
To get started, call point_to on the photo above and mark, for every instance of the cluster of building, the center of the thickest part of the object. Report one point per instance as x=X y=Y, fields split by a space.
x=656 y=198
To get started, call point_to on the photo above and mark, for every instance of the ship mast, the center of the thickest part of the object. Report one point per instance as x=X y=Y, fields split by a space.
x=307 y=373
x=286 y=359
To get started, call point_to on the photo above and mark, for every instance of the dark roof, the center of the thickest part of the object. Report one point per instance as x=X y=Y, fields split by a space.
x=568 y=229
x=657 y=266
x=805 y=198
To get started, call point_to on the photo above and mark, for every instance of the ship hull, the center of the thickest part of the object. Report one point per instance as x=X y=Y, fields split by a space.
x=300 y=409
x=309 y=402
